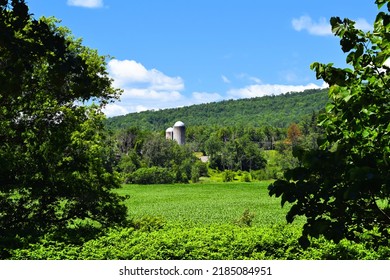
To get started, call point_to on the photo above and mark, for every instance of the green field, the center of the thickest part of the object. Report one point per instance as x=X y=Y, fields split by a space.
x=207 y=203
x=199 y=222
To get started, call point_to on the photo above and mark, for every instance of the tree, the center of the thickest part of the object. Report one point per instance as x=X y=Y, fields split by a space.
x=55 y=165
x=158 y=151
x=293 y=134
x=213 y=147
x=343 y=188
x=129 y=139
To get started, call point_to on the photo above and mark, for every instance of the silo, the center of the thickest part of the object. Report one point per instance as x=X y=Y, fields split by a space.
x=169 y=133
x=179 y=132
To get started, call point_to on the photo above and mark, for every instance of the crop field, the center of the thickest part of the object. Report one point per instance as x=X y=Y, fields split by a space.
x=201 y=222
x=206 y=203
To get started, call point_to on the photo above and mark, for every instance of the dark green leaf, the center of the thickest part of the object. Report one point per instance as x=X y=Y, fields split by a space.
x=380 y=3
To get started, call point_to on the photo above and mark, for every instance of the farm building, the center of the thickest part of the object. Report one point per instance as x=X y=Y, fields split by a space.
x=177 y=133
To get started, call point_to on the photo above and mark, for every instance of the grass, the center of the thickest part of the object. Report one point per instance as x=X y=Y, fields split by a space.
x=207 y=203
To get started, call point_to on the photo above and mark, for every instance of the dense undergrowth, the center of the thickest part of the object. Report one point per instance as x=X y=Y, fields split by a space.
x=153 y=239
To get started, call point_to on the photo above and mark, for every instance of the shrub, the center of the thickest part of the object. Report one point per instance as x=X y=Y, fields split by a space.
x=228 y=176
x=246 y=177
x=266 y=174
x=195 y=174
x=246 y=219
x=203 y=169
x=181 y=176
x=152 y=175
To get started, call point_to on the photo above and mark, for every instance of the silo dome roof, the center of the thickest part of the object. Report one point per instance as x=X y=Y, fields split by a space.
x=179 y=123
x=169 y=129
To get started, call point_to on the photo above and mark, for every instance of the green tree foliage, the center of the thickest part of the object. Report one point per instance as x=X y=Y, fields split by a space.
x=138 y=149
x=55 y=166
x=152 y=175
x=293 y=134
x=230 y=148
x=129 y=139
x=278 y=111
x=343 y=188
x=158 y=151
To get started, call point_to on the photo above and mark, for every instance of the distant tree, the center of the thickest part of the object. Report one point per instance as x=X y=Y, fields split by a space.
x=270 y=137
x=213 y=147
x=293 y=134
x=197 y=136
x=278 y=111
x=55 y=165
x=152 y=175
x=128 y=163
x=310 y=132
x=343 y=188
x=249 y=155
x=129 y=139
x=158 y=151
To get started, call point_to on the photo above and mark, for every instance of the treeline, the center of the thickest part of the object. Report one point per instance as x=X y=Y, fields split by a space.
x=234 y=135
x=275 y=111
x=146 y=157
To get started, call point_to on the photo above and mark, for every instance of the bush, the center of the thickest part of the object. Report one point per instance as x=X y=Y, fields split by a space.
x=246 y=177
x=195 y=174
x=152 y=175
x=203 y=168
x=181 y=176
x=228 y=176
x=246 y=219
x=267 y=174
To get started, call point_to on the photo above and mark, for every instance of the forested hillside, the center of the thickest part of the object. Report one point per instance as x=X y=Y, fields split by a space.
x=277 y=111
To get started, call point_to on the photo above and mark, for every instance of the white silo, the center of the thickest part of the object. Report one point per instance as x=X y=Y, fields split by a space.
x=169 y=133
x=179 y=132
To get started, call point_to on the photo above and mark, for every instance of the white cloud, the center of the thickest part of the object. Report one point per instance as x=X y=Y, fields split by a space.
x=290 y=76
x=320 y=28
x=255 y=80
x=143 y=89
x=205 y=97
x=363 y=24
x=225 y=79
x=129 y=73
x=86 y=3
x=246 y=77
x=111 y=110
x=151 y=95
x=268 y=89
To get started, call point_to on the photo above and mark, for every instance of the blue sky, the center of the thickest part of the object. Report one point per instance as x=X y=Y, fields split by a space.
x=171 y=53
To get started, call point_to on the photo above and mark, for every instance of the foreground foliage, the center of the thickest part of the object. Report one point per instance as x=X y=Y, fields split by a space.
x=343 y=188
x=55 y=166
x=214 y=242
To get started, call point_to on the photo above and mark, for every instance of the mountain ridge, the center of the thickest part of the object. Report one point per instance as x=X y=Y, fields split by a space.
x=275 y=110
